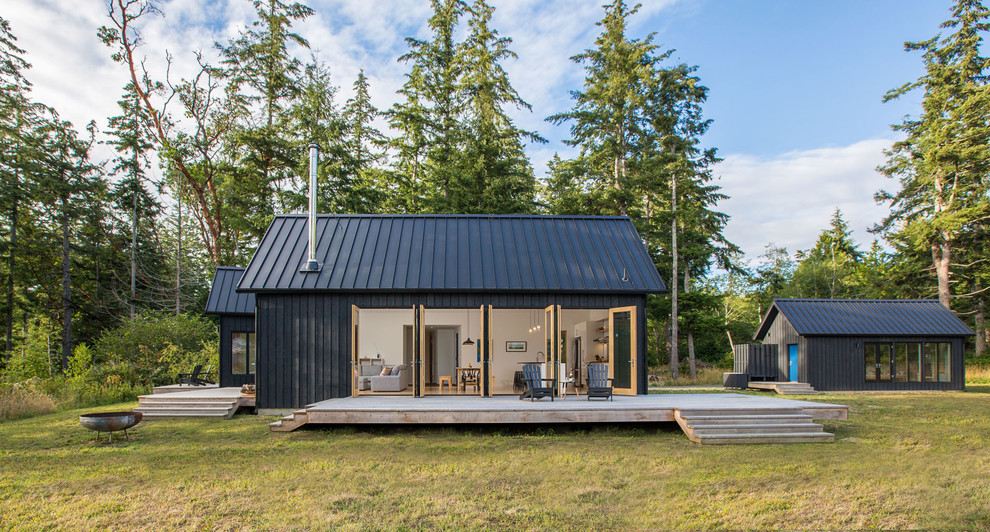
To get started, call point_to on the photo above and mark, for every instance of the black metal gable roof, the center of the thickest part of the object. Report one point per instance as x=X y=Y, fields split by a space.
x=224 y=298
x=866 y=317
x=454 y=253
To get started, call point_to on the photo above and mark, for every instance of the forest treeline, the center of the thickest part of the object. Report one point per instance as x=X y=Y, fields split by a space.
x=92 y=249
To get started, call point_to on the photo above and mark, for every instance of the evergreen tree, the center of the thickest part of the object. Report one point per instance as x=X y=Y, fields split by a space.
x=130 y=194
x=831 y=268
x=431 y=115
x=16 y=116
x=942 y=162
x=70 y=197
x=263 y=81
x=496 y=176
x=608 y=118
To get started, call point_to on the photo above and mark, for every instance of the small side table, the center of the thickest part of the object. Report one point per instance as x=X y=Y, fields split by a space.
x=446 y=379
x=563 y=388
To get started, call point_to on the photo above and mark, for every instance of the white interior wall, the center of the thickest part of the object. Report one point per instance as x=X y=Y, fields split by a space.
x=380 y=333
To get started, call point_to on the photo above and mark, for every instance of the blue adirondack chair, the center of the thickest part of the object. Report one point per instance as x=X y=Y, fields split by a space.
x=599 y=383
x=536 y=385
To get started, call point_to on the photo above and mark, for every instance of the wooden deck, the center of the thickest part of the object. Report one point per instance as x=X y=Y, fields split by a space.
x=727 y=416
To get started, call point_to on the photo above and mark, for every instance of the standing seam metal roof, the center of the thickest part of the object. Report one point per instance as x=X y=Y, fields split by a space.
x=454 y=253
x=224 y=298
x=866 y=317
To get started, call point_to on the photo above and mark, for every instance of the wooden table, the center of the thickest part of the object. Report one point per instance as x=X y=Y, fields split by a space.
x=468 y=370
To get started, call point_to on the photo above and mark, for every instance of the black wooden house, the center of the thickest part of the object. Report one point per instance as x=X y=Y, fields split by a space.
x=387 y=289
x=238 y=348
x=842 y=344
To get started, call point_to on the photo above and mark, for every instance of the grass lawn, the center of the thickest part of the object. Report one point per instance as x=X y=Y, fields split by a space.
x=900 y=461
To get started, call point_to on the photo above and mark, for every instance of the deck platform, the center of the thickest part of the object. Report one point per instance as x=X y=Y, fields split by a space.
x=194 y=401
x=745 y=411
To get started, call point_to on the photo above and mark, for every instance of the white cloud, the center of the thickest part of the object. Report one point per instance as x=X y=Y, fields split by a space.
x=789 y=199
x=73 y=72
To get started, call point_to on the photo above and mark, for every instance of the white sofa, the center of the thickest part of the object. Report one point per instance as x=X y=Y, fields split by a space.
x=396 y=382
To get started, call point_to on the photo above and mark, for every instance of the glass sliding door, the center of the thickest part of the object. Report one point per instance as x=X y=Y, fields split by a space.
x=622 y=349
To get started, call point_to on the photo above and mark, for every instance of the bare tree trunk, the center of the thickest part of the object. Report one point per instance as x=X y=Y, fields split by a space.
x=941 y=257
x=690 y=334
x=981 y=328
x=11 y=258
x=66 y=288
x=134 y=228
x=732 y=345
x=674 y=361
x=178 y=249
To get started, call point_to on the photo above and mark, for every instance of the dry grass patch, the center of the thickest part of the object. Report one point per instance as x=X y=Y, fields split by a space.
x=24 y=399
x=900 y=461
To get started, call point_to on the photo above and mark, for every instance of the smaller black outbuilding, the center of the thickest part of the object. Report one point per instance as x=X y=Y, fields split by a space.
x=238 y=348
x=861 y=344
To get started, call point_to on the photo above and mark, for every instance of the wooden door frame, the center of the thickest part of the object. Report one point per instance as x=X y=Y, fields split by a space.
x=419 y=350
x=633 y=349
x=551 y=315
x=355 y=368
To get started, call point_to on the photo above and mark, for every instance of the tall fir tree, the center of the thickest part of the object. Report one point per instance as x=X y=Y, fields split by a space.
x=264 y=78
x=136 y=204
x=941 y=163
x=496 y=176
x=428 y=120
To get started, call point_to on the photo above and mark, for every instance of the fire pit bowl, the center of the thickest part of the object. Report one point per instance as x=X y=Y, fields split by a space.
x=110 y=422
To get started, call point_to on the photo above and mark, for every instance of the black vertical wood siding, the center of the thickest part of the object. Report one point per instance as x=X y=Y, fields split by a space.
x=304 y=339
x=230 y=324
x=756 y=360
x=836 y=363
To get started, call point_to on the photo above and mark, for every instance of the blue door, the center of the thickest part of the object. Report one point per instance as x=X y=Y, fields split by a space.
x=792 y=365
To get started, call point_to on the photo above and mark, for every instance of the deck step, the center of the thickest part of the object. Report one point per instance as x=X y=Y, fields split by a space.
x=290 y=422
x=719 y=427
x=164 y=406
x=704 y=430
x=785 y=437
x=746 y=420
x=785 y=387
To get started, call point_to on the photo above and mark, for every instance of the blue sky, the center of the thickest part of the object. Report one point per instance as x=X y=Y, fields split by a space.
x=795 y=86
x=801 y=74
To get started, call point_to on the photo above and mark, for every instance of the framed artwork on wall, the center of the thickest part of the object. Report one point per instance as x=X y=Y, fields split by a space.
x=518 y=346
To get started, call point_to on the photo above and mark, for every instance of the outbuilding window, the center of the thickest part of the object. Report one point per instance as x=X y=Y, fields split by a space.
x=243 y=353
x=906 y=361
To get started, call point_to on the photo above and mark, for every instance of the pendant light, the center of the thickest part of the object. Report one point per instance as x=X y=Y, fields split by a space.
x=467 y=318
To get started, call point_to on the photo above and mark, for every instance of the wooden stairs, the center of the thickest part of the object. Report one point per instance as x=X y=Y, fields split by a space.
x=738 y=426
x=785 y=388
x=290 y=422
x=169 y=406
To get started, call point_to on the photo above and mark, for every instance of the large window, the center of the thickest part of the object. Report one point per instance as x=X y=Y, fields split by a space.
x=906 y=361
x=243 y=353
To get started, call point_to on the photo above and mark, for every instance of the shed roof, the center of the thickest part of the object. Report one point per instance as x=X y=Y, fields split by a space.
x=454 y=253
x=866 y=317
x=224 y=298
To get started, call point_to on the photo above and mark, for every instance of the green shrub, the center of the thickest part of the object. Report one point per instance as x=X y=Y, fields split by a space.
x=152 y=348
x=32 y=357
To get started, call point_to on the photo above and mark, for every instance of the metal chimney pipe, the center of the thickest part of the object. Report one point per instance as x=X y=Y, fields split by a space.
x=314 y=157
